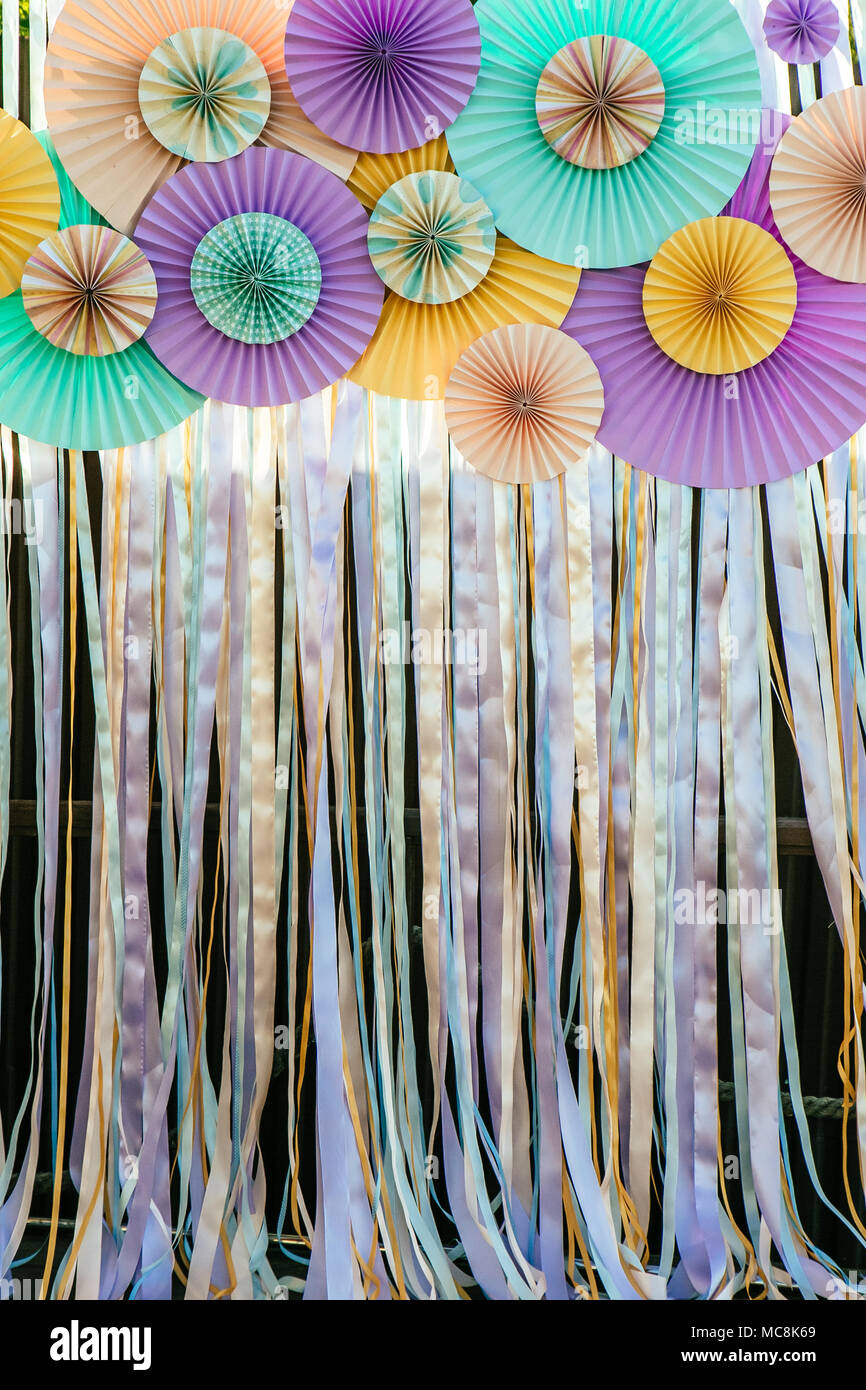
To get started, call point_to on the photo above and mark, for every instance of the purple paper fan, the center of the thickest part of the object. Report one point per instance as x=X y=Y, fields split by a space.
x=346 y=315
x=801 y=31
x=775 y=419
x=383 y=75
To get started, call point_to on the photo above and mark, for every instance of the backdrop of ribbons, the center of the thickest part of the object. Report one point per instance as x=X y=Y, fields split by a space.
x=441 y=422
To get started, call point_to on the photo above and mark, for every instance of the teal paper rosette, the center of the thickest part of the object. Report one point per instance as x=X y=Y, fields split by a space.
x=616 y=216
x=82 y=402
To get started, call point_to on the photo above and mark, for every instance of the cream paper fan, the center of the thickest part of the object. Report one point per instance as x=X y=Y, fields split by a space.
x=818 y=185
x=96 y=56
x=524 y=403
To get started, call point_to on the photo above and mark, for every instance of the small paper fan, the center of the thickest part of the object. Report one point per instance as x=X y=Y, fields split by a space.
x=618 y=216
x=801 y=31
x=719 y=295
x=89 y=290
x=382 y=75
x=818 y=185
x=432 y=238
x=304 y=197
x=524 y=403
x=599 y=102
x=96 y=55
x=29 y=199
x=204 y=94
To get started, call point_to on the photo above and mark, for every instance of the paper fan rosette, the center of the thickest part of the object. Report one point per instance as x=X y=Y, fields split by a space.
x=29 y=199
x=818 y=185
x=450 y=278
x=266 y=291
x=804 y=399
x=524 y=403
x=74 y=370
x=382 y=75
x=801 y=31
x=135 y=87
x=621 y=120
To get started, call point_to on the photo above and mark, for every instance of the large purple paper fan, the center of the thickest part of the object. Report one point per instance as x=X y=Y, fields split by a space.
x=773 y=420
x=204 y=196
x=383 y=75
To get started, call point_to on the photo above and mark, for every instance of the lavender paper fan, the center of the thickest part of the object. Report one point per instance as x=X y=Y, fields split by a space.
x=768 y=422
x=382 y=75
x=801 y=31
x=334 y=224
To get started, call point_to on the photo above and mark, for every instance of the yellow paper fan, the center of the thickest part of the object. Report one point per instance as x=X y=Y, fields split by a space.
x=818 y=185
x=96 y=55
x=720 y=295
x=524 y=403
x=416 y=346
x=374 y=174
x=29 y=199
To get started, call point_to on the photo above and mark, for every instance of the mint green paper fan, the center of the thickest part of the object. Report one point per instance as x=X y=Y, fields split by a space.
x=603 y=218
x=73 y=402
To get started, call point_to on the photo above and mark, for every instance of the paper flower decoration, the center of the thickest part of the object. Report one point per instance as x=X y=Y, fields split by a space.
x=382 y=75
x=416 y=345
x=93 y=397
x=599 y=102
x=720 y=295
x=204 y=94
x=818 y=185
x=238 y=249
x=89 y=290
x=801 y=31
x=612 y=216
x=524 y=403
x=29 y=199
x=432 y=238
x=799 y=404
x=122 y=115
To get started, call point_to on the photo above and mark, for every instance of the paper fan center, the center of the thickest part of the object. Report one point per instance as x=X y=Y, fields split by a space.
x=204 y=94
x=720 y=295
x=256 y=278
x=600 y=101
x=89 y=290
x=432 y=238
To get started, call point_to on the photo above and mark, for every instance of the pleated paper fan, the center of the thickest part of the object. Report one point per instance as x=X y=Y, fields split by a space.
x=29 y=199
x=96 y=56
x=599 y=102
x=617 y=216
x=307 y=199
x=416 y=346
x=374 y=174
x=818 y=185
x=524 y=403
x=432 y=238
x=719 y=295
x=89 y=290
x=801 y=31
x=79 y=402
x=382 y=75
x=768 y=422
x=172 y=88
